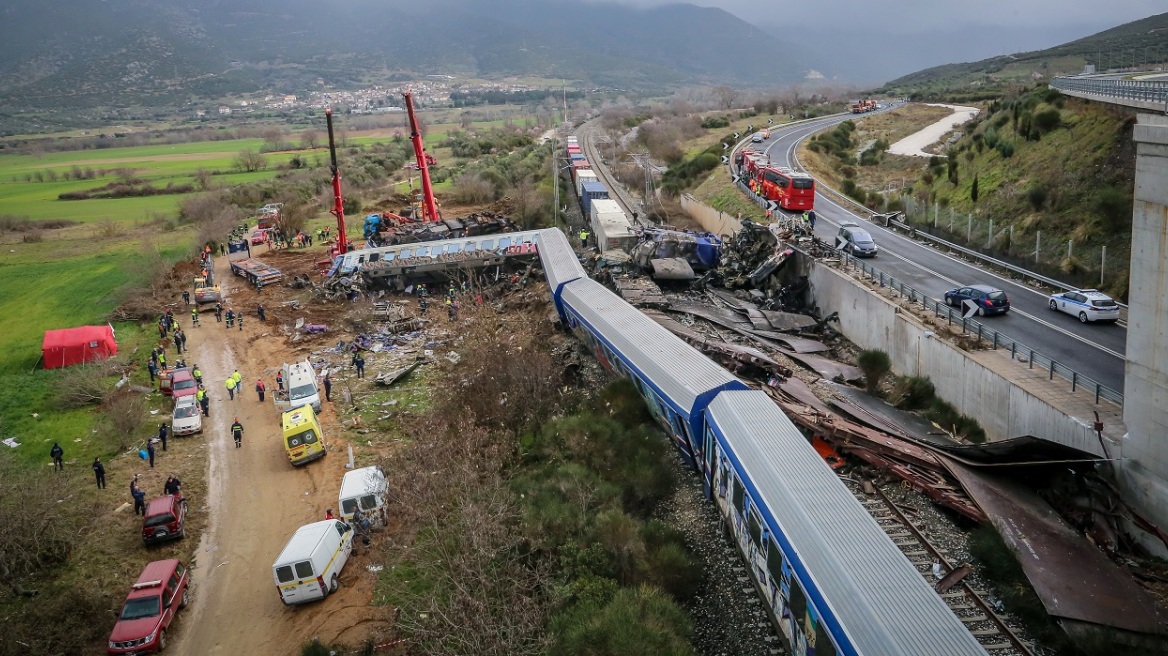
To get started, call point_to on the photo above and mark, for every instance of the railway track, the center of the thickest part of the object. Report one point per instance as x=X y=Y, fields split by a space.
x=587 y=134
x=966 y=601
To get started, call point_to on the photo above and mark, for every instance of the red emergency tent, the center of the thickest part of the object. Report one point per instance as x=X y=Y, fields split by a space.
x=69 y=346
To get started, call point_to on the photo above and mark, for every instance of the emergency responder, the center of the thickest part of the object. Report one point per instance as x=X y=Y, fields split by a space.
x=237 y=433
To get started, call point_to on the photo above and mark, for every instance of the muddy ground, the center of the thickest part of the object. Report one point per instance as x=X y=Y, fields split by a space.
x=256 y=499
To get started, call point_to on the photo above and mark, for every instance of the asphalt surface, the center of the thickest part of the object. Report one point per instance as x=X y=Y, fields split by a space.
x=1095 y=350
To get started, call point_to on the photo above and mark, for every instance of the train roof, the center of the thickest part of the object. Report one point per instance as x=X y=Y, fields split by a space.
x=560 y=263
x=677 y=369
x=883 y=605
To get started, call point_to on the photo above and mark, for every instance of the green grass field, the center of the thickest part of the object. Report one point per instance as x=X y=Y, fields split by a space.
x=78 y=275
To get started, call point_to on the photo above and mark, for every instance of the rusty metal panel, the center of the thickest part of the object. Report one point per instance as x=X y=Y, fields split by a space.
x=1072 y=577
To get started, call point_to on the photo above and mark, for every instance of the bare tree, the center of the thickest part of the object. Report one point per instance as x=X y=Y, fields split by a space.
x=473 y=188
x=250 y=161
x=726 y=96
x=273 y=139
x=310 y=139
x=203 y=179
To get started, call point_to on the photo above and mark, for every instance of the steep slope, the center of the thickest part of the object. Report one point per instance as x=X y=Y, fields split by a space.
x=1119 y=48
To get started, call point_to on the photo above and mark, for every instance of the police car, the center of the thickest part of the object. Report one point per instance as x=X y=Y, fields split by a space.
x=1087 y=304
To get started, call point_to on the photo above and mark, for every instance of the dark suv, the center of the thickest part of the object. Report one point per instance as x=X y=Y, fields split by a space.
x=987 y=300
x=165 y=519
x=150 y=608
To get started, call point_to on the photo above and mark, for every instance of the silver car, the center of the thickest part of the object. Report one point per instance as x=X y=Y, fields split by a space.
x=186 y=419
x=1089 y=305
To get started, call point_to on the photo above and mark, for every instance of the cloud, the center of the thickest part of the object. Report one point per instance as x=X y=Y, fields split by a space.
x=908 y=16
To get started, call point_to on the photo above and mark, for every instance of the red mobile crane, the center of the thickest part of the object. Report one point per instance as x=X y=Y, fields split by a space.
x=338 y=203
x=429 y=207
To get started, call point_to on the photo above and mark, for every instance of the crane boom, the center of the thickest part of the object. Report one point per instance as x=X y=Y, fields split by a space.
x=338 y=203
x=430 y=208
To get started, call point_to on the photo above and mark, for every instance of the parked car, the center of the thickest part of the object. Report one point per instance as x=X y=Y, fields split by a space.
x=150 y=608
x=259 y=236
x=310 y=565
x=166 y=519
x=187 y=418
x=989 y=300
x=182 y=383
x=857 y=240
x=1087 y=304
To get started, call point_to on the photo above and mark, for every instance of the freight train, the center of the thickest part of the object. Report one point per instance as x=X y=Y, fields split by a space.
x=830 y=578
x=609 y=224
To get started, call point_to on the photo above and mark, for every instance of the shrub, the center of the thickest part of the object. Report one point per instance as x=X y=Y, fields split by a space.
x=912 y=392
x=713 y=122
x=636 y=622
x=991 y=137
x=1006 y=148
x=1114 y=207
x=1046 y=120
x=875 y=364
x=1037 y=197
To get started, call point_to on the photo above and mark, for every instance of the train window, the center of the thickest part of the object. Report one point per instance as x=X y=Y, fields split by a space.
x=754 y=525
x=823 y=644
x=488 y=245
x=774 y=560
x=739 y=494
x=798 y=606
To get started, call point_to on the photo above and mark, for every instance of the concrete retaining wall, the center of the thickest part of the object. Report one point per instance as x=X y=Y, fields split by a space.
x=983 y=385
x=711 y=220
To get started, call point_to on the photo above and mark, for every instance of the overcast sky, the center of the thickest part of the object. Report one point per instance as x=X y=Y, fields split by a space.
x=906 y=16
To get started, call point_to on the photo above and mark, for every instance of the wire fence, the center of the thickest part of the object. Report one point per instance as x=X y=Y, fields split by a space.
x=1019 y=352
x=1063 y=262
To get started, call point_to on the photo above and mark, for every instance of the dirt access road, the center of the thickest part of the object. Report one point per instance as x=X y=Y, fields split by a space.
x=256 y=500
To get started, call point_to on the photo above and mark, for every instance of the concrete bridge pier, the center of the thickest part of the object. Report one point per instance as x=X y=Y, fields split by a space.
x=1144 y=469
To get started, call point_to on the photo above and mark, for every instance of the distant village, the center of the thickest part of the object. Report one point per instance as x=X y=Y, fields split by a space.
x=432 y=92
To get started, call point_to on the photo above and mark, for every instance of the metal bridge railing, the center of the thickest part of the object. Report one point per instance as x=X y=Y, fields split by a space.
x=1019 y=352
x=1145 y=90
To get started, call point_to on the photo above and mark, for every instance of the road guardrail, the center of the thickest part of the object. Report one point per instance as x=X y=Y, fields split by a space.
x=1019 y=352
x=1144 y=90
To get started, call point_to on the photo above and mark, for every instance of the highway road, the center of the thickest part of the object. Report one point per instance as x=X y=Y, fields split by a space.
x=1095 y=350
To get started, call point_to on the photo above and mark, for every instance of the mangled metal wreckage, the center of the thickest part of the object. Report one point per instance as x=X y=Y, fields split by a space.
x=397 y=267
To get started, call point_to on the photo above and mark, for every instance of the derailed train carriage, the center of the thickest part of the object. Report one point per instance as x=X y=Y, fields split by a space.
x=832 y=580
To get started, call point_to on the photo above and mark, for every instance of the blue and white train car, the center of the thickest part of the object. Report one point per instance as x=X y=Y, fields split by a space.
x=560 y=263
x=833 y=580
x=675 y=379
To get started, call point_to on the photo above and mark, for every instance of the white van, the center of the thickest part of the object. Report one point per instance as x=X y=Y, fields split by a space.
x=368 y=488
x=300 y=388
x=310 y=565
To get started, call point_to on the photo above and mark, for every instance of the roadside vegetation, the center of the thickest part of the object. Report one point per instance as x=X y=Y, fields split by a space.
x=1038 y=179
x=538 y=537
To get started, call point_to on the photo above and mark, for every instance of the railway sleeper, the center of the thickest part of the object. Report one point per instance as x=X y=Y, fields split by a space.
x=974 y=619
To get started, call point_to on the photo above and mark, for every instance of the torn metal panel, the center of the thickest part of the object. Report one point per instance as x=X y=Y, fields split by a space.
x=1072 y=577
x=829 y=369
x=397 y=375
x=735 y=353
x=796 y=344
x=671 y=268
x=788 y=321
x=801 y=392
x=725 y=318
x=769 y=267
x=757 y=320
x=640 y=292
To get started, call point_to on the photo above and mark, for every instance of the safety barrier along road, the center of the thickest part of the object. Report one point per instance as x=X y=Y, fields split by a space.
x=1019 y=352
x=1146 y=91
